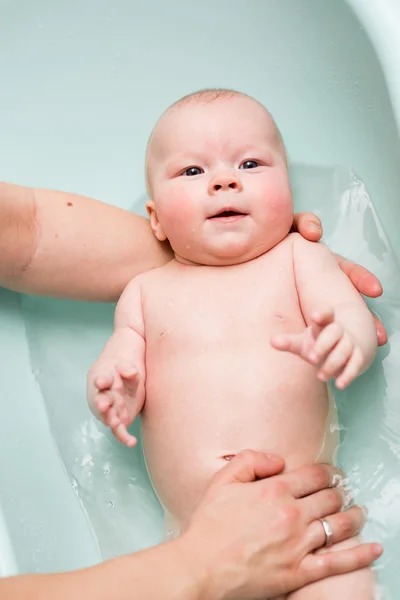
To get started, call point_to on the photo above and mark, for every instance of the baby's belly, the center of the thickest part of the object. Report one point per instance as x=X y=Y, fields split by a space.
x=199 y=413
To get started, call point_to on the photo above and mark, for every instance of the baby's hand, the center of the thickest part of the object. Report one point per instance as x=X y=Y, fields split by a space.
x=326 y=345
x=116 y=393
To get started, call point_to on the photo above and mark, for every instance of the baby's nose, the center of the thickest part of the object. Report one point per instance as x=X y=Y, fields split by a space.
x=225 y=182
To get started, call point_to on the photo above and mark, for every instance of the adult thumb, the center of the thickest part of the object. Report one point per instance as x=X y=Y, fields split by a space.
x=247 y=466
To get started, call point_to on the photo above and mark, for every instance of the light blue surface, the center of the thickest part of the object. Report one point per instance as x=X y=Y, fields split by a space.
x=82 y=84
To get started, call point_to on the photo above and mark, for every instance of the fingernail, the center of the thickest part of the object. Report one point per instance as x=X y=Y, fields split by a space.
x=313 y=357
x=311 y=226
x=337 y=480
x=348 y=497
x=273 y=457
x=365 y=511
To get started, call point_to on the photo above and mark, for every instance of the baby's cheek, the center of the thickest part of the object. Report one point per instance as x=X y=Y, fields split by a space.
x=176 y=215
x=281 y=207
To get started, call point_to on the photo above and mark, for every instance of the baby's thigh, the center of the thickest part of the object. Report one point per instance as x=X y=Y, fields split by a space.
x=358 y=585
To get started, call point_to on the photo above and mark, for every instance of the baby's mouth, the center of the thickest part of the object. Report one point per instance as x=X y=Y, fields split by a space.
x=230 y=214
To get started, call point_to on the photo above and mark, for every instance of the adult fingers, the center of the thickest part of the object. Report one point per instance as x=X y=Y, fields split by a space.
x=365 y=283
x=312 y=478
x=248 y=465
x=323 y=503
x=380 y=331
x=363 y=280
x=315 y=567
x=308 y=225
x=344 y=525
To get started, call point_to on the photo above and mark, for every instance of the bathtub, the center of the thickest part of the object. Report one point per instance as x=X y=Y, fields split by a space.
x=82 y=85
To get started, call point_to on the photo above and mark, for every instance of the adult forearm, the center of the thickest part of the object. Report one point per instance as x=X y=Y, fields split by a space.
x=65 y=245
x=17 y=232
x=160 y=572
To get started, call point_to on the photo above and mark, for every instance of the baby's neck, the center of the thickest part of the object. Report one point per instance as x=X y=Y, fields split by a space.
x=217 y=263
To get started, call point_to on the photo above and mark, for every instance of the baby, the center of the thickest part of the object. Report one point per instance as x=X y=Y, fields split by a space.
x=231 y=344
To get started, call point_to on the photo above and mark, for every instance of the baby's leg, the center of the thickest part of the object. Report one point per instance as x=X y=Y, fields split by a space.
x=171 y=527
x=359 y=585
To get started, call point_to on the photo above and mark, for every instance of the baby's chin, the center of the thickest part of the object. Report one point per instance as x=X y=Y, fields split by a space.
x=224 y=255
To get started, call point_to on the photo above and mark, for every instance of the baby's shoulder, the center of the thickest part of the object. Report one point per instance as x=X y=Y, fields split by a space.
x=155 y=278
x=138 y=284
x=144 y=280
x=284 y=249
x=294 y=249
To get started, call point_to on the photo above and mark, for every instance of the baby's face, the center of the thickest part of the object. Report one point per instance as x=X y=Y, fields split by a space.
x=219 y=183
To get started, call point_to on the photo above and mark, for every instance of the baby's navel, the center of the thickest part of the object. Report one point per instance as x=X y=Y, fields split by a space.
x=228 y=456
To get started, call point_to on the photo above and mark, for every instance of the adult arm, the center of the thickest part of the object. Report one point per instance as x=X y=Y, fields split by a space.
x=252 y=535
x=69 y=246
x=65 y=245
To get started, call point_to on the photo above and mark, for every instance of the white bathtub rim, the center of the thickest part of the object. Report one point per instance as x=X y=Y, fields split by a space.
x=381 y=20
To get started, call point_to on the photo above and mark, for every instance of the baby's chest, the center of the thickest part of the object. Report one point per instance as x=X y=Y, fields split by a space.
x=224 y=308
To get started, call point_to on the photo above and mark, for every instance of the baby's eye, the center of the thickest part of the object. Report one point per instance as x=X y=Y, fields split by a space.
x=193 y=171
x=249 y=164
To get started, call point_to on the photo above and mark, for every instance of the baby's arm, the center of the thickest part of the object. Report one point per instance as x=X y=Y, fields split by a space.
x=116 y=381
x=340 y=337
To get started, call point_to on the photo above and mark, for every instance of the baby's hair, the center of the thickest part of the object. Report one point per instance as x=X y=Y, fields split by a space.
x=208 y=95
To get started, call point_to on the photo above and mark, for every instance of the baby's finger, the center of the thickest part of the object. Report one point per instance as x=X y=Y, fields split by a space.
x=288 y=343
x=112 y=419
x=131 y=383
x=337 y=359
x=126 y=370
x=104 y=382
x=326 y=341
x=122 y=410
x=352 y=369
x=323 y=317
x=103 y=402
x=124 y=436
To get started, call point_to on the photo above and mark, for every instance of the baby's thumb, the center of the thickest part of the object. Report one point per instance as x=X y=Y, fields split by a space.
x=289 y=343
x=323 y=317
x=128 y=371
x=103 y=382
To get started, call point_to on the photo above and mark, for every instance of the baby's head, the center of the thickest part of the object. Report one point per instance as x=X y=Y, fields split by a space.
x=217 y=179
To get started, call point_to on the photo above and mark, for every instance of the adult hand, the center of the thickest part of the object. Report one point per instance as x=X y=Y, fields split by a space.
x=310 y=227
x=253 y=534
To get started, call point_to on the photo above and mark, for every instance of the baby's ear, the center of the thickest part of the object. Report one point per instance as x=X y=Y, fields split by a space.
x=154 y=222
